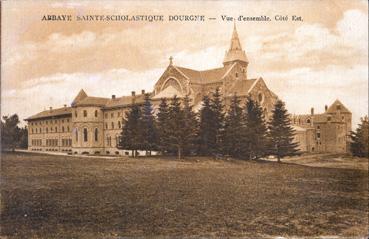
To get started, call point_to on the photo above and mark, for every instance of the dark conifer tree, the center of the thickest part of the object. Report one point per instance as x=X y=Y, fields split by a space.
x=281 y=133
x=360 y=138
x=177 y=135
x=131 y=136
x=148 y=127
x=255 y=131
x=232 y=137
x=190 y=126
x=217 y=108
x=206 y=133
x=162 y=126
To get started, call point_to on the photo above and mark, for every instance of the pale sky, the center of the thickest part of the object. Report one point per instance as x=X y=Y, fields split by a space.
x=307 y=64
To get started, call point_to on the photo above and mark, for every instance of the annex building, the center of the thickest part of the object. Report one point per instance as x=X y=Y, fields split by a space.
x=92 y=125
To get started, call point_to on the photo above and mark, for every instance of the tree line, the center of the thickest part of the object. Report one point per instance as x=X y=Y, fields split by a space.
x=13 y=136
x=240 y=131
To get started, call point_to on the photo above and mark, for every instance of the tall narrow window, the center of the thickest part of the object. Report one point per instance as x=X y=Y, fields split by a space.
x=119 y=125
x=112 y=125
x=95 y=113
x=85 y=113
x=76 y=132
x=85 y=136
x=96 y=134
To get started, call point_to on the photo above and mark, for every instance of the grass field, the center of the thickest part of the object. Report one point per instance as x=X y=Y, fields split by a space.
x=47 y=196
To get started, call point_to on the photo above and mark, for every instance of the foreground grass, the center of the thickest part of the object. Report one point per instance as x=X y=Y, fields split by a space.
x=47 y=196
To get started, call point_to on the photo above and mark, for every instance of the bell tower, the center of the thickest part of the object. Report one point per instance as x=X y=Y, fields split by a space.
x=235 y=52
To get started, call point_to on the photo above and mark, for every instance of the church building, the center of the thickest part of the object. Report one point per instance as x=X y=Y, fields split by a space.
x=92 y=125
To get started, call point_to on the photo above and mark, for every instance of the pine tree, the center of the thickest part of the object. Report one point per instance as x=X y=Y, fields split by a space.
x=131 y=136
x=281 y=133
x=217 y=108
x=232 y=137
x=176 y=132
x=206 y=133
x=148 y=127
x=162 y=126
x=360 y=139
x=255 y=131
x=190 y=126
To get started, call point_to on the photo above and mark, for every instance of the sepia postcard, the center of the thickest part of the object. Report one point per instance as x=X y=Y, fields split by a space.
x=184 y=119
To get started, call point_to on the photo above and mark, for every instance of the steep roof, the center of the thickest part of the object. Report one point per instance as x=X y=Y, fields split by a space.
x=80 y=96
x=204 y=77
x=242 y=87
x=333 y=107
x=65 y=111
x=235 y=52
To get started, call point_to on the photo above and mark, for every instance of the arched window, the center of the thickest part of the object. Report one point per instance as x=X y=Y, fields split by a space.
x=236 y=74
x=119 y=125
x=85 y=113
x=308 y=121
x=68 y=128
x=96 y=134
x=85 y=136
x=95 y=113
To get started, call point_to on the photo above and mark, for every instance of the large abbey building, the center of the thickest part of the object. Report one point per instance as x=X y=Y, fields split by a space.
x=92 y=125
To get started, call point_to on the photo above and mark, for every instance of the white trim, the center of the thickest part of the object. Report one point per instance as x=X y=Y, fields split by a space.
x=181 y=72
x=171 y=77
x=225 y=74
x=254 y=84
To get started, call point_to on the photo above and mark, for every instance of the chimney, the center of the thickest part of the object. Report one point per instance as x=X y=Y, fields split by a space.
x=312 y=111
x=113 y=97
x=143 y=92
x=326 y=107
x=133 y=93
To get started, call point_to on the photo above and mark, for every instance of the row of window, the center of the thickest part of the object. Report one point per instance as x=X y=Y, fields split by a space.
x=39 y=130
x=96 y=113
x=48 y=121
x=36 y=142
x=52 y=142
x=96 y=137
x=112 y=125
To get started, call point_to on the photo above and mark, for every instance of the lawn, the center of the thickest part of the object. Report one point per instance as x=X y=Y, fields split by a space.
x=44 y=196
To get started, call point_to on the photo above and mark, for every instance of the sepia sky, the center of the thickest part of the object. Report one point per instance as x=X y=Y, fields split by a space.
x=307 y=64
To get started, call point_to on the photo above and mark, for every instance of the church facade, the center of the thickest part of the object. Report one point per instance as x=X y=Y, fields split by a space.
x=92 y=125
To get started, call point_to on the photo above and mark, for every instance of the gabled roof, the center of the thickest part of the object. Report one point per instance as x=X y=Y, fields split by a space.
x=65 y=111
x=80 y=96
x=333 y=107
x=203 y=77
x=242 y=87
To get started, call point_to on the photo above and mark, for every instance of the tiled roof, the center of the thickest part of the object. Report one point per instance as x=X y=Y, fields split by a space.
x=124 y=101
x=51 y=113
x=92 y=101
x=242 y=87
x=204 y=77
